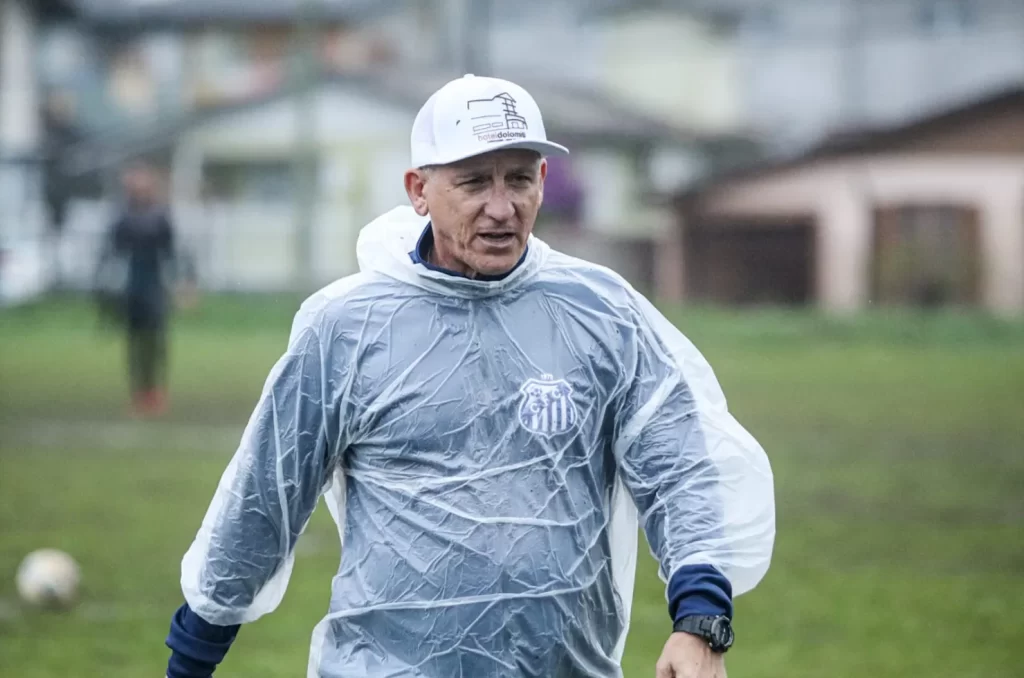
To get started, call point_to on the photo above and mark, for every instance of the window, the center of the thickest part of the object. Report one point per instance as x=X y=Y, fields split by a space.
x=270 y=180
x=131 y=88
x=767 y=262
x=762 y=21
x=926 y=255
x=62 y=54
x=944 y=16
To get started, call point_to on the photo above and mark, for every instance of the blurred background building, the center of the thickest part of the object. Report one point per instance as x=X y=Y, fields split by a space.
x=830 y=152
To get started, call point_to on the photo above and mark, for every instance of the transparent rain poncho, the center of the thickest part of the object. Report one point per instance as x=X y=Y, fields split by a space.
x=486 y=448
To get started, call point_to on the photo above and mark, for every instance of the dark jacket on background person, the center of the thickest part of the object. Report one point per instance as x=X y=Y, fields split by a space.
x=138 y=266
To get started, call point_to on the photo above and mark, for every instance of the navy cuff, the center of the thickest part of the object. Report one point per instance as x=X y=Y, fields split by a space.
x=699 y=590
x=197 y=646
x=180 y=666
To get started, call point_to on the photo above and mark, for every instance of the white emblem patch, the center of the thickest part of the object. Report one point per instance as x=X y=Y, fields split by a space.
x=547 y=406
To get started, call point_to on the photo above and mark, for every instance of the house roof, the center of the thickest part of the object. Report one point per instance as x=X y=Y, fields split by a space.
x=114 y=13
x=871 y=140
x=572 y=114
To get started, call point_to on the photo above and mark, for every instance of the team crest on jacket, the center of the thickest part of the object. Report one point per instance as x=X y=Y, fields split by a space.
x=547 y=406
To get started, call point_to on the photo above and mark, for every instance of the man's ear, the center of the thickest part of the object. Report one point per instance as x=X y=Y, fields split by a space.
x=543 y=174
x=415 y=187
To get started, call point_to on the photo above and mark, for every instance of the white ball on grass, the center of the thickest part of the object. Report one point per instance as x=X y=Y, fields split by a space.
x=48 y=578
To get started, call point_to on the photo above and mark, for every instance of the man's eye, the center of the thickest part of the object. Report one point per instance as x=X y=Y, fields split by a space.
x=521 y=179
x=473 y=181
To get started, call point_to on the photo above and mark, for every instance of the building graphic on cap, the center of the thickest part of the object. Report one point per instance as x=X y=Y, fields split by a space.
x=496 y=119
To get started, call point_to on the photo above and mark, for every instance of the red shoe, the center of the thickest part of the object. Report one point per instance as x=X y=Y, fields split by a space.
x=156 y=402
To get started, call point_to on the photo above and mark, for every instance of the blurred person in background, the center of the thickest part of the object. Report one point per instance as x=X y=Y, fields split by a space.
x=135 y=278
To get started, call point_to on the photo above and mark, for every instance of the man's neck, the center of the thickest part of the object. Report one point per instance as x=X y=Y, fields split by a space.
x=447 y=263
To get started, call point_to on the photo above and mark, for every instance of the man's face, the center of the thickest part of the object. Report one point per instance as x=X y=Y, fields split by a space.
x=482 y=209
x=140 y=185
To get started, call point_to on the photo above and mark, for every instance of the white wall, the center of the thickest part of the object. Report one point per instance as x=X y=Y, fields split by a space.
x=910 y=75
x=542 y=39
x=609 y=184
x=800 y=80
x=672 y=66
x=19 y=95
x=533 y=37
x=341 y=117
x=21 y=212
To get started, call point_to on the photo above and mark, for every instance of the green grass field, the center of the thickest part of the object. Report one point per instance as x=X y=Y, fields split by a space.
x=897 y=443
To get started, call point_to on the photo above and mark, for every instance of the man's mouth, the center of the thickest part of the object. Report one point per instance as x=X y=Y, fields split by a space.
x=506 y=238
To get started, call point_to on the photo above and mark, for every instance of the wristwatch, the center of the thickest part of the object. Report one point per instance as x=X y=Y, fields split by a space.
x=716 y=630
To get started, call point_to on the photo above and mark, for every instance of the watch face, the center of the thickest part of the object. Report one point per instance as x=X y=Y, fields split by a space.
x=716 y=631
x=722 y=635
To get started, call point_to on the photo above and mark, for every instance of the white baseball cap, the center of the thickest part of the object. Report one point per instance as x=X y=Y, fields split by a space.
x=475 y=115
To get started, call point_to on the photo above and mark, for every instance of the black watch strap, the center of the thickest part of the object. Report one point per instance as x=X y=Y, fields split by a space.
x=716 y=630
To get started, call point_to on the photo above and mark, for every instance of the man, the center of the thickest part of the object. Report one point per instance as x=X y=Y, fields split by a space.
x=486 y=416
x=134 y=279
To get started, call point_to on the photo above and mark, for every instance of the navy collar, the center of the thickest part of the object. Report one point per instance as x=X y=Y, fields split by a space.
x=421 y=254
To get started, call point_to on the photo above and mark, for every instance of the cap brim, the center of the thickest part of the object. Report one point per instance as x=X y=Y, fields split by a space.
x=545 y=148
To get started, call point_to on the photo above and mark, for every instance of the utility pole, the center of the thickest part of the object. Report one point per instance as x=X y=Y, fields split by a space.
x=476 y=32
x=851 y=59
x=305 y=76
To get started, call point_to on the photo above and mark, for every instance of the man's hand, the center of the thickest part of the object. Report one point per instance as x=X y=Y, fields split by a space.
x=186 y=297
x=687 y=656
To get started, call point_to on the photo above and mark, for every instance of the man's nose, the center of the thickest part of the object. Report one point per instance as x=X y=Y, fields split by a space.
x=499 y=205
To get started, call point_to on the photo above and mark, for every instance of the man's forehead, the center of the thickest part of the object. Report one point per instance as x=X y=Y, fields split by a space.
x=501 y=158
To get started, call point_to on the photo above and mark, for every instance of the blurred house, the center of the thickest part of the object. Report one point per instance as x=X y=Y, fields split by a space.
x=927 y=213
x=235 y=186
x=127 y=76
x=669 y=59
x=129 y=60
x=204 y=87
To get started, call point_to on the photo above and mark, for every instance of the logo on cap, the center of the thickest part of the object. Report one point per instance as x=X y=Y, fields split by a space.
x=496 y=119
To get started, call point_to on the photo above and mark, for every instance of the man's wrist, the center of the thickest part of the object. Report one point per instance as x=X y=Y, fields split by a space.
x=197 y=646
x=699 y=590
x=715 y=630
